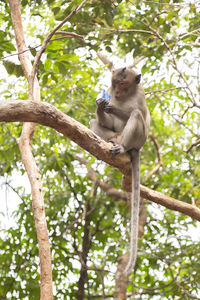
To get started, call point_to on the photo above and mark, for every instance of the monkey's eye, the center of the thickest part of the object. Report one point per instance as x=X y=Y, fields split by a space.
x=122 y=83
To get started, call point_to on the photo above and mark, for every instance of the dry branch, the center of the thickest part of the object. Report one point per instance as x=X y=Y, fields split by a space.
x=46 y=114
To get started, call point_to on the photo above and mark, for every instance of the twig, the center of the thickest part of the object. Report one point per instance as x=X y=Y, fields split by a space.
x=18 y=53
x=187 y=108
x=70 y=34
x=169 y=4
x=160 y=163
x=176 y=118
x=118 y=30
x=165 y=90
x=194 y=144
x=66 y=34
x=173 y=60
x=180 y=286
x=137 y=61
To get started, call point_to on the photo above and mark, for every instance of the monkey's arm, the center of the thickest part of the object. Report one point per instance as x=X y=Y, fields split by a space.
x=122 y=115
x=104 y=118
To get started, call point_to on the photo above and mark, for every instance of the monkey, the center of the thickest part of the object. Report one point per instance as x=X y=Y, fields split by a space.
x=124 y=121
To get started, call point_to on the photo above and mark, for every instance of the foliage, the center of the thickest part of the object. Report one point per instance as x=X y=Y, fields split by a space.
x=83 y=220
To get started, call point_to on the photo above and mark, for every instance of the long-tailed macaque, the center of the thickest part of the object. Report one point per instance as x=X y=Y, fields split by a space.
x=125 y=121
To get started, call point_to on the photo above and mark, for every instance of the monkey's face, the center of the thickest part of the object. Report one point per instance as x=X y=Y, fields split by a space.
x=124 y=83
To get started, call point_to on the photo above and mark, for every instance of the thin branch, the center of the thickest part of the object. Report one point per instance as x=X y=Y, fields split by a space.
x=109 y=189
x=165 y=90
x=193 y=145
x=180 y=286
x=137 y=61
x=105 y=60
x=66 y=34
x=47 y=115
x=15 y=190
x=160 y=163
x=70 y=34
x=169 y=4
x=118 y=30
x=45 y=43
x=182 y=36
x=24 y=51
x=176 y=117
x=174 y=61
x=187 y=109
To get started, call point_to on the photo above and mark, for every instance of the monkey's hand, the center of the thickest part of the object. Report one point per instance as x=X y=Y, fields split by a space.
x=102 y=104
x=110 y=109
x=117 y=149
x=107 y=107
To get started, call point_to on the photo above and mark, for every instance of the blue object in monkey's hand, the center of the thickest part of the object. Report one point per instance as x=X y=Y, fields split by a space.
x=103 y=95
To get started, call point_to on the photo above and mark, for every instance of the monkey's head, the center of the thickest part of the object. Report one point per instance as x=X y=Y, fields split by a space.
x=124 y=83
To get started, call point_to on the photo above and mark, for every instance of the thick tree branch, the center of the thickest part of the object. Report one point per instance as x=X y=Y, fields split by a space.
x=170 y=202
x=46 y=114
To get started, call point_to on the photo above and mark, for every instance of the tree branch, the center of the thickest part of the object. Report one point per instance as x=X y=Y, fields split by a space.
x=174 y=62
x=45 y=43
x=193 y=145
x=160 y=163
x=47 y=115
x=108 y=188
x=105 y=60
x=28 y=160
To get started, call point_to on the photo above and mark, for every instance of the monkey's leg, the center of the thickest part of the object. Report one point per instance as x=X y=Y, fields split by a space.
x=133 y=134
x=104 y=133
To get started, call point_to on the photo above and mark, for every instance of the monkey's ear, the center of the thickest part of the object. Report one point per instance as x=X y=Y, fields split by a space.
x=138 y=78
x=124 y=69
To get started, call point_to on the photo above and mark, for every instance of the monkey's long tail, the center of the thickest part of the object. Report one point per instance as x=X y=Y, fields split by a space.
x=135 y=205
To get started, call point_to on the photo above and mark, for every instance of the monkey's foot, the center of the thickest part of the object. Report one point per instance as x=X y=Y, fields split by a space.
x=117 y=149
